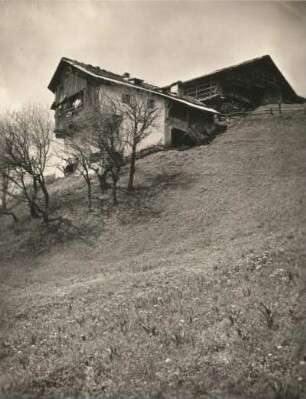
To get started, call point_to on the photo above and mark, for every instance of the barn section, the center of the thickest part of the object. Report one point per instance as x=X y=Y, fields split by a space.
x=182 y=120
x=187 y=125
x=240 y=87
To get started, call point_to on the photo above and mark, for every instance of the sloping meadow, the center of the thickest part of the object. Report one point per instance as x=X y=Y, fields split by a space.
x=201 y=293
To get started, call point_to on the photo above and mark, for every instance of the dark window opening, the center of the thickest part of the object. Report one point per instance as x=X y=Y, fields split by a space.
x=151 y=103
x=179 y=138
x=68 y=71
x=126 y=98
x=71 y=166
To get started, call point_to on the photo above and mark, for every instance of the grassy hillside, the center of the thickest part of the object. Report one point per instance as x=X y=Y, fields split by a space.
x=194 y=286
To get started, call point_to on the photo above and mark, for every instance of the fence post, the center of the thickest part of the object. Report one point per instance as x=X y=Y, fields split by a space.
x=280 y=107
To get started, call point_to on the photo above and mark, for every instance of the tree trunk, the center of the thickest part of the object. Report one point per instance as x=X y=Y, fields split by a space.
x=45 y=192
x=42 y=213
x=115 y=201
x=89 y=194
x=33 y=210
x=132 y=168
x=4 y=191
x=102 y=180
x=46 y=217
x=115 y=177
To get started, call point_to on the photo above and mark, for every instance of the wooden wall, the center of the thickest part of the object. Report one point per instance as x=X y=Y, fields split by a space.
x=71 y=82
x=241 y=81
x=202 y=88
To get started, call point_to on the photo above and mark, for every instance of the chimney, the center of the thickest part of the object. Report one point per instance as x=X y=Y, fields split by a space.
x=126 y=75
x=176 y=88
x=136 y=81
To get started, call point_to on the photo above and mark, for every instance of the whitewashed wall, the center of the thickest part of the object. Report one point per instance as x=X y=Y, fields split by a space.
x=157 y=131
x=60 y=147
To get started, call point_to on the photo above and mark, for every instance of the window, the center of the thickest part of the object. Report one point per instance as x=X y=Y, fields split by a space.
x=126 y=98
x=150 y=103
x=68 y=71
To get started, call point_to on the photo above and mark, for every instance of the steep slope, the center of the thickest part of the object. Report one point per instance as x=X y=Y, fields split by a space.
x=196 y=288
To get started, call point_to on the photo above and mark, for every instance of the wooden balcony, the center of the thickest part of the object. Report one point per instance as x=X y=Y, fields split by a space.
x=65 y=120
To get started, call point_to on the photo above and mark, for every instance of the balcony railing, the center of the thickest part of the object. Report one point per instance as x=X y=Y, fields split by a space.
x=65 y=119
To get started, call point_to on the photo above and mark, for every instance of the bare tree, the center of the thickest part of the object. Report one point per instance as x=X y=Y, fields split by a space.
x=25 y=140
x=5 y=192
x=139 y=114
x=99 y=132
x=82 y=153
x=110 y=124
x=4 y=181
x=108 y=142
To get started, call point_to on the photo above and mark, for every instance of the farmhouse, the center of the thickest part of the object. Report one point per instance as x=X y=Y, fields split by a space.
x=180 y=119
x=239 y=87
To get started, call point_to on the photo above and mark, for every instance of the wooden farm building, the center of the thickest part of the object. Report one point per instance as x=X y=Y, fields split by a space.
x=188 y=109
x=240 y=87
x=180 y=118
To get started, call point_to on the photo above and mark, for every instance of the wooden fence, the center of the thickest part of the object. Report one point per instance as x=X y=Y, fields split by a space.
x=272 y=110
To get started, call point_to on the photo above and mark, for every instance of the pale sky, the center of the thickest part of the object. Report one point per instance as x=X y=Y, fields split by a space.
x=160 y=41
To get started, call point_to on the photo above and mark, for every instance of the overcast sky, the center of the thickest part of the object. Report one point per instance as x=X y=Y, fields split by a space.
x=160 y=42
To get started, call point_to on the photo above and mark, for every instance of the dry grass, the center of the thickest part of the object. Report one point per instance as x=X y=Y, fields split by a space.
x=200 y=293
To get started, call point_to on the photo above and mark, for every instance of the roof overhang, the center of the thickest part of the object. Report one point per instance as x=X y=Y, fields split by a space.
x=53 y=82
x=65 y=61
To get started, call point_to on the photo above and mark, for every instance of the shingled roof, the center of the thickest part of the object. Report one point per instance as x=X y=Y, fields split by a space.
x=233 y=67
x=264 y=60
x=138 y=84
